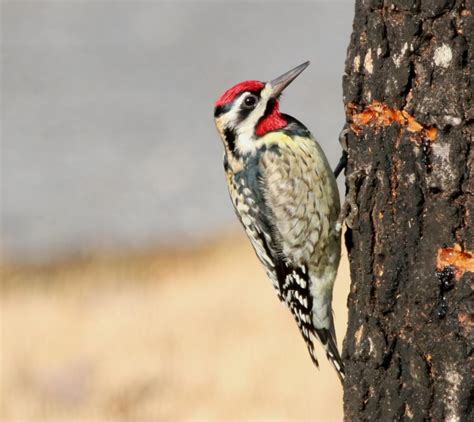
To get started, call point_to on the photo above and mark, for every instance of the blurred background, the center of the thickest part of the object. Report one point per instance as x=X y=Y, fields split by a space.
x=128 y=290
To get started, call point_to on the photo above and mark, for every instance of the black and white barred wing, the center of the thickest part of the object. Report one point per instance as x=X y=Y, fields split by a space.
x=249 y=206
x=290 y=282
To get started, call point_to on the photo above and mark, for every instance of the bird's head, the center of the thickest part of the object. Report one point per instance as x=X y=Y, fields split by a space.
x=250 y=109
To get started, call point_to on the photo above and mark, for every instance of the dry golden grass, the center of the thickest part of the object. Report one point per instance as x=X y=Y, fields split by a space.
x=196 y=335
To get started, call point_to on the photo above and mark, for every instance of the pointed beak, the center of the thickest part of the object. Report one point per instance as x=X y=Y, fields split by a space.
x=280 y=83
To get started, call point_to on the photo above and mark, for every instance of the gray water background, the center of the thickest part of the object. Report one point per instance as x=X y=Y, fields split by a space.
x=108 y=139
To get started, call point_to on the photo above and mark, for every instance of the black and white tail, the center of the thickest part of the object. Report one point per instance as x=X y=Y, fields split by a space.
x=296 y=294
x=328 y=340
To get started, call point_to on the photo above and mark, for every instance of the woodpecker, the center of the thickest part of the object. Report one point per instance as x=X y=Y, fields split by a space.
x=285 y=195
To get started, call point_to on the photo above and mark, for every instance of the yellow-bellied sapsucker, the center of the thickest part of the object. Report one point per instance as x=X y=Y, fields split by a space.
x=286 y=197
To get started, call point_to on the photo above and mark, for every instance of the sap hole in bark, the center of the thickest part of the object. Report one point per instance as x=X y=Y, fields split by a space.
x=434 y=190
x=446 y=277
x=442 y=308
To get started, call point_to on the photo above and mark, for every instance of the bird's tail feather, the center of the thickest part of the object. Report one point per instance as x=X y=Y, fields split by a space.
x=328 y=339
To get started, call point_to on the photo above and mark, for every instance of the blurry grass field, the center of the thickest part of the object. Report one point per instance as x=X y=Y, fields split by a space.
x=183 y=335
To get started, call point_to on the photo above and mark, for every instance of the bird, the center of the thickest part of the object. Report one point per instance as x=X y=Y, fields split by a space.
x=286 y=198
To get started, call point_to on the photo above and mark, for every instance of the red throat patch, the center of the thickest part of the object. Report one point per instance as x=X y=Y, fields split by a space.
x=230 y=94
x=273 y=121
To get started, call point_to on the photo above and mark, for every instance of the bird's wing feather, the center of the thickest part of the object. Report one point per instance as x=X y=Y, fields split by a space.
x=250 y=208
x=290 y=281
x=295 y=189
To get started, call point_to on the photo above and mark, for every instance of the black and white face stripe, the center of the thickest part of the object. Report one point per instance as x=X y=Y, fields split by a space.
x=248 y=103
x=229 y=139
x=220 y=110
x=237 y=121
x=245 y=102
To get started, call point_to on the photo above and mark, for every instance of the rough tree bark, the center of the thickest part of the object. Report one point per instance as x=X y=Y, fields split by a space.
x=407 y=93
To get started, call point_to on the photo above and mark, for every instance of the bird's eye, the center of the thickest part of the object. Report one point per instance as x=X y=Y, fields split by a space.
x=250 y=101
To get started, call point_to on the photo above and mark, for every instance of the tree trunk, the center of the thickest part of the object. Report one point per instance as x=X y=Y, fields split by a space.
x=407 y=93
